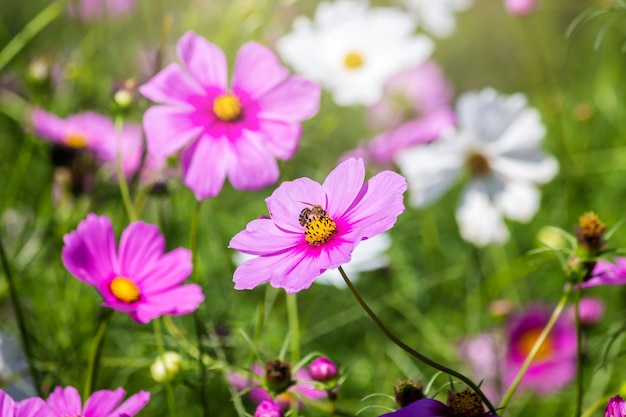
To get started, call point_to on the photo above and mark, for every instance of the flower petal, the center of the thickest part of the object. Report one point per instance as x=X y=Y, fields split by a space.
x=296 y=98
x=254 y=166
x=7 y=405
x=281 y=138
x=533 y=167
x=132 y=405
x=479 y=220
x=343 y=185
x=518 y=201
x=168 y=129
x=288 y=200
x=176 y=301
x=262 y=237
x=31 y=407
x=102 y=402
x=48 y=126
x=169 y=270
x=89 y=252
x=204 y=61
x=205 y=164
x=257 y=70
x=172 y=85
x=141 y=245
x=426 y=407
x=65 y=401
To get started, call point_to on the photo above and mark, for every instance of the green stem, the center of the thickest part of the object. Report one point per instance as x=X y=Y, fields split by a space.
x=531 y=355
x=294 y=327
x=193 y=247
x=260 y=321
x=21 y=323
x=579 y=350
x=158 y=338
x=96 y=350
x=36 y=25
x=128 y=203
x=412 y=351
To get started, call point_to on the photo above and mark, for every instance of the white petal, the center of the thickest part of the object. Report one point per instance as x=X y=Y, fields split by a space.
x=479 y=220
x=534 y=167
x=524 y=132
x=518 y=201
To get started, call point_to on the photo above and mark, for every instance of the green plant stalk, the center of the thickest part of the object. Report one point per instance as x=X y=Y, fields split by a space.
x=294 y=327
x=531 y=355
x=193 y=247
x=158 y=338
x=579 y=349
x=412 y=351
x=128 y=203
x=21 y=323
x=36 y=25
x=96 y=350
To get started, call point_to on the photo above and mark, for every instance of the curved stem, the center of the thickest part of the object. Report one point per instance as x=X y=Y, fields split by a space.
x=158 y=338
x=412 y=351
x=21 y=323
x=531 y=355
x=128 y=204
x=96 y=350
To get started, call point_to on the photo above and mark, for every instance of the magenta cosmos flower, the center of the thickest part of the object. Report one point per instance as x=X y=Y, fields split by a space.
x=139 y=279
x=314 y=227
x=105 y=403
x=607 y=273
x=616 y=407
x=235 y=132
x=30 y=407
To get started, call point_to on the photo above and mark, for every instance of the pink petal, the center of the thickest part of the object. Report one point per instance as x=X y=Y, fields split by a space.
x=172 y=86
x=204 y=61
x=342 y=186
x=254 y=166
x=168 y=129
x=380 y=203
x=89 y=252
x=257 y=70
x=7 y=405
x=296 y=273
x=48 y=126
x=288 y=200
x=102 y=402
x=296 y=99
x=141 y=245
x=31 y=407
x=132 y=405
x=281 y=137
x=262 y=269
x=262 y=237
x=166 y=272
x=205 y=164
x=176 y=301
x=65 y=401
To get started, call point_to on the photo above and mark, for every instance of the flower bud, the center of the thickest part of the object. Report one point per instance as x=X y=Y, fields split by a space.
x=323 y=369
x=520 y=7
x=615 y=407
x=268 y=408
x=166 y=366
x=407 y=392
x=277 y=375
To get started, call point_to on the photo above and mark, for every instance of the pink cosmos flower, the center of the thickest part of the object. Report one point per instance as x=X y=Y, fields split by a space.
x=95 y=9
x=520 y=7
x=268 y=408
x=105 y=403
x=30 y=407
x=616 y=407
x=236 y=132
x=590 y=310
x=607 y=273
x=139 y=279
x=314 y=227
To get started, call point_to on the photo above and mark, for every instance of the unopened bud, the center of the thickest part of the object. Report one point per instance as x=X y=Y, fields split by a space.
x=268 y=408
x=166 y=366
x=323 y=369
x=278 y=375
x=407 y=392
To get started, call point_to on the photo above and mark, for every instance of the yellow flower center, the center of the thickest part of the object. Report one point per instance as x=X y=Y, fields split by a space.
x=124 y=289
x=227 y=107
x=478 y=164
x=466 y=404
x=75 y=140
x=320 y=228
x=353 y=60
x=527 y=341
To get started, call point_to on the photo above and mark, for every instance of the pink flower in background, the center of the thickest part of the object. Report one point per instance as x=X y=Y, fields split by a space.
x=104 y=403
x=84 y=130
x=520 y=7
x=235 y=132
x=607 y=273
x=315 y=227
x=268 y=408
x=590 y=310
x=138 y=279
x=409 y=94
x=616 y=407
x=30 y=407
x=95 y=9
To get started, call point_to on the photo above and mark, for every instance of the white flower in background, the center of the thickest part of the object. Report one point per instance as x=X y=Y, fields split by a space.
x=498 y=142
x=367 y=256
x=352 y=50
x=437 y=17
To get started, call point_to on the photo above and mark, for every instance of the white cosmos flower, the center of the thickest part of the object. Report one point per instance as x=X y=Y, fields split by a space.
x=437 y=17
x=352 y=50
x=367 y=256
x=498 y=142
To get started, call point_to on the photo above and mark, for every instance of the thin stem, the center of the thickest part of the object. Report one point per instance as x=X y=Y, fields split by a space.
x=96 y=350
x=579 y=350
x=294 y=327
x=128 y=203
x=193 y=247
x=158 y=338
x=412 y=351
x=21 y=323
x=531 y=355
x=36 y=25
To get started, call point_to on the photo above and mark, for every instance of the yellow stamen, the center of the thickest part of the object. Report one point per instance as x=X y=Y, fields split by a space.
x=319 y=230
x=478 y=164
x=527 y=341
x=353 y=60
x=75 y=140
x=227 y=107
x=124 y=289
